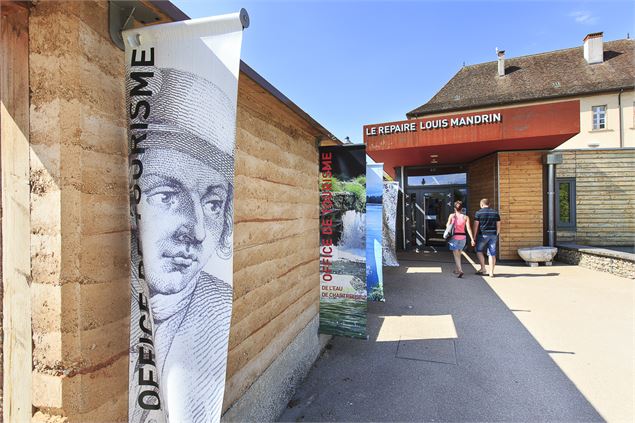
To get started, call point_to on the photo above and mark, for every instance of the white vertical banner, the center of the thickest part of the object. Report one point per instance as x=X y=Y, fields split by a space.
x=391 y=194
x=182 y=88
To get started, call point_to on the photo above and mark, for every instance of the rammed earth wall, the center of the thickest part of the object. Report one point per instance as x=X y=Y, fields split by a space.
x=276 y=240
x=15 y=353
x=80 y=230
x=79 y=214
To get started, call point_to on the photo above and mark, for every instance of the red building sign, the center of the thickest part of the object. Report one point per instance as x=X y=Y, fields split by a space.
x=464 y=137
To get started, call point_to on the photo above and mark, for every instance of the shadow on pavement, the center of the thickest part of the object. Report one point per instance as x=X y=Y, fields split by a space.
x=525 y=275
x=440 y=349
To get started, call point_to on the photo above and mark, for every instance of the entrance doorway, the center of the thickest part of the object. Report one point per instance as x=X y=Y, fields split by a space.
x=430 y=201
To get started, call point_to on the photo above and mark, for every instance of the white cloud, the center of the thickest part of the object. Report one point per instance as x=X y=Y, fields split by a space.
x=584 y=17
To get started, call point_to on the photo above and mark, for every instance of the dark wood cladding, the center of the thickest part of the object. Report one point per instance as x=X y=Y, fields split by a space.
x=481 y=183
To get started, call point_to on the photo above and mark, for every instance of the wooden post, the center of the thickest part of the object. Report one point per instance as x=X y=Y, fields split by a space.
x=16 y=232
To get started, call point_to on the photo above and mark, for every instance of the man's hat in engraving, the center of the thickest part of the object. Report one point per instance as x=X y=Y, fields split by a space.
x=191 y=115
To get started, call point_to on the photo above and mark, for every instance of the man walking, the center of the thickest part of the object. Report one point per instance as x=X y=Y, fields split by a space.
x=489 y=222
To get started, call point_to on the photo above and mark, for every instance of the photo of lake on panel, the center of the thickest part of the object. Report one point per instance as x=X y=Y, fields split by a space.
x=343 y=295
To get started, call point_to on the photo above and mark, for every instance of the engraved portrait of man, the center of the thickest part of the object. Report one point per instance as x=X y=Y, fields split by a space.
x=185 y=220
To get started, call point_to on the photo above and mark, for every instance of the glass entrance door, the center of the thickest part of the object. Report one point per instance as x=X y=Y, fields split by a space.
x=430 y=200
x=410 y=222
x=438 y=206
x=429 y=211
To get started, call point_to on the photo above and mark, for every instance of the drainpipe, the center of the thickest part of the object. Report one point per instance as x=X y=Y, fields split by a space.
x=619 y=107
x=498 y=198
x=551 y=201
x=551 y=160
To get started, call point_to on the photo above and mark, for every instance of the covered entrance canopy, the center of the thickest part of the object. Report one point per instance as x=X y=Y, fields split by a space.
x=465 y=137
x=499 y=152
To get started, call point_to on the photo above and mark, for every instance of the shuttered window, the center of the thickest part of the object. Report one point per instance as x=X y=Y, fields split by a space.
x=599 y=117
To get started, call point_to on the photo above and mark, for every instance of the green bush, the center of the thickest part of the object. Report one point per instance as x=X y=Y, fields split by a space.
x=356 y=186
x=361 y=179
x=360 y=194
x=337 y=185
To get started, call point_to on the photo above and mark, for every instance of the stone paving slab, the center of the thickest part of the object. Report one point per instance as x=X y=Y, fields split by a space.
x=532 y=344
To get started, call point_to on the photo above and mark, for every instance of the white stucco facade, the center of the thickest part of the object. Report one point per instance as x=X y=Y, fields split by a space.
x=609 y=137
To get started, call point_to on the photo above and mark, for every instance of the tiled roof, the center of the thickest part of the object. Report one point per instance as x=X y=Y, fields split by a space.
x=561 y=73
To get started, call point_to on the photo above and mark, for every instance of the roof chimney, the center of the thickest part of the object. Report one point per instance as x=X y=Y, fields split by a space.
x=501 y=62
x=594 y=48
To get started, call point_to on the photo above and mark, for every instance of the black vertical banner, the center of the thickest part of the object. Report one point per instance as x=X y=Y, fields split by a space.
x=343 y=307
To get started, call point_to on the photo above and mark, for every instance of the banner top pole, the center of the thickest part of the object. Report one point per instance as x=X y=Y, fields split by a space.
x=244 y=18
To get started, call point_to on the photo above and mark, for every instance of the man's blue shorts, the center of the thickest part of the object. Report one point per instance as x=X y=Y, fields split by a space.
x=487 y=241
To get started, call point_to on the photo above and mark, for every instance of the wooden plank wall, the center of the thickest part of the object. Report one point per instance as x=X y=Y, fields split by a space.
x=521 y=201
x=481 y=183
x=605 y=196
x=16 y=230
x=276 y=238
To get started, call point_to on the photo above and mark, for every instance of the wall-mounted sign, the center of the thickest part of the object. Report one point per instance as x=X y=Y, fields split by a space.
x=430 y=124
x=458 y=138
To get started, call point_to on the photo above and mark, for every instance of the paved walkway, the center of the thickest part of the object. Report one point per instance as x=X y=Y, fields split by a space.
x=533 y=344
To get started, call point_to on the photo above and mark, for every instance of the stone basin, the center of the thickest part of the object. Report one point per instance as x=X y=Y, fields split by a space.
x=535 y=255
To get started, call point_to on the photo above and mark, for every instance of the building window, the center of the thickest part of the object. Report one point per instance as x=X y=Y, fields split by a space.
x=432 y=180
x=565 y=204
x=599 y=117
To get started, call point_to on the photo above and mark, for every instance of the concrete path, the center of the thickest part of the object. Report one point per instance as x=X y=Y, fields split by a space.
x=533 y=344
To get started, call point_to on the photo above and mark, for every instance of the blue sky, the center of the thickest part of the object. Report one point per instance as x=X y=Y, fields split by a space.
x=350 y=63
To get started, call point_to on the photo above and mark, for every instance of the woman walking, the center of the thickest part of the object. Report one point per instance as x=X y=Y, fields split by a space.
x=457 y=241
